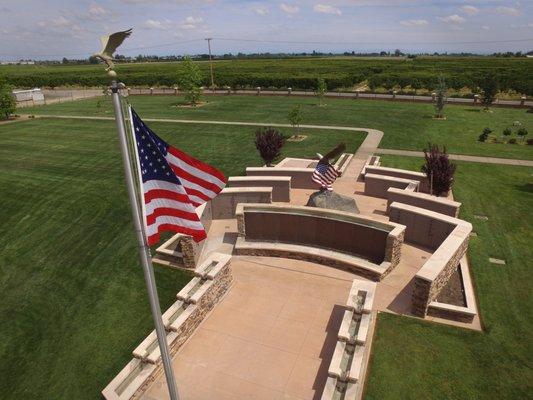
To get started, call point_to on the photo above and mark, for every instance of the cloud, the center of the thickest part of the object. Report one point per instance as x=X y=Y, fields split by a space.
x=453 y=19
x=485 y=27
x=414 y=22
x=508 y=11
x=156 y=24
x=470 y=10
x=191 y=23
x=288 y=8
x=326 y=9
x=96 y=11
x=259 y=10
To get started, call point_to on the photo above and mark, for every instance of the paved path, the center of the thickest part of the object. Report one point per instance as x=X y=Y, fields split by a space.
x=369 y=145
x=460 y=157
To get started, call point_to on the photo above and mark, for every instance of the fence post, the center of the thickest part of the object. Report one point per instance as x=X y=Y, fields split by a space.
x=476 y=98
x=289 y=91
x=522 y=100
x=393 y=94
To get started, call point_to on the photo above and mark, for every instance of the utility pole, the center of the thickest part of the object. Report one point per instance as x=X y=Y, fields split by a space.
x=211 y=63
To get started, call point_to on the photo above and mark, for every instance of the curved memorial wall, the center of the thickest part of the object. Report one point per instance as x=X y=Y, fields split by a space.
x=330 y=237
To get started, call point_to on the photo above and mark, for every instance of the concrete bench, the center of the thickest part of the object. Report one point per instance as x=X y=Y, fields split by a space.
x=361 y=296
x=372 y=161
x=335 y=390
x=378 y=185
x=224 y=204
x=129 y=380
x=281 y=185
x=300 y=177
x=149 y=351
x=441 y=205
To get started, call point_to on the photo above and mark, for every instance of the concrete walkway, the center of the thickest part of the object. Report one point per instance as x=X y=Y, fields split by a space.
x=369 y=145
x=461 y=157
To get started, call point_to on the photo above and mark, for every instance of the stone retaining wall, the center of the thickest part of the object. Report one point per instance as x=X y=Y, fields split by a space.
x=300 y=177
x=378 y=185
x=448 y=235
x=281 y=185
x=213 y=278
x=441 y=205
x=224 y=204
x=400 y=173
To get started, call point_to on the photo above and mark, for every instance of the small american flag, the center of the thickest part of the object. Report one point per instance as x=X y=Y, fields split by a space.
x=325 y=175
x=173 y=184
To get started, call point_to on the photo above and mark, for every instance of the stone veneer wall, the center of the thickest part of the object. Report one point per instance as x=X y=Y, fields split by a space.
x=450 y=248
x=217 y=285
x=281 y=185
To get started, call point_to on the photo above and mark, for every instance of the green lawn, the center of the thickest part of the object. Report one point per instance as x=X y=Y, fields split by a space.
x=419 y=360
x=407 y=126
x=74 y=302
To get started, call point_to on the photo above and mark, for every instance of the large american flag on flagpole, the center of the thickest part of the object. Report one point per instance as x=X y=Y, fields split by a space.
x=173 y=184
x=325 y=174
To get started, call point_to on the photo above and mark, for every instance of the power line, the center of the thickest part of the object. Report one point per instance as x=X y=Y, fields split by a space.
x=364 y=43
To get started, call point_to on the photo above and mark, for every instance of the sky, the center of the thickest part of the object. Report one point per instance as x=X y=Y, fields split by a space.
x=53 y=29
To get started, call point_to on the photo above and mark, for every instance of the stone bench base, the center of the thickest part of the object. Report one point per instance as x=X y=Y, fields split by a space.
x=331 y=258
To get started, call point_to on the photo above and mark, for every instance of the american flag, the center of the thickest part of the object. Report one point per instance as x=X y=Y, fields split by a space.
x=173 y=184
x=325 y=175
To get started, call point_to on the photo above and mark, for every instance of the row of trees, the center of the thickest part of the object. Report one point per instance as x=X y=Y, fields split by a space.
x=7 y=101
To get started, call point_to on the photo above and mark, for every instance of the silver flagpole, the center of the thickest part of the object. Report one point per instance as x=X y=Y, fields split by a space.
x=144 y=250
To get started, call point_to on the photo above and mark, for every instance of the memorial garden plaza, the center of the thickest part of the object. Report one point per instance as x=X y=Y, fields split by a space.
x=292 y=200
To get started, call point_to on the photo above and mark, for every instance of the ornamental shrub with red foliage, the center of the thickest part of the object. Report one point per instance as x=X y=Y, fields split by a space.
x=269 y=142
x=439 y=169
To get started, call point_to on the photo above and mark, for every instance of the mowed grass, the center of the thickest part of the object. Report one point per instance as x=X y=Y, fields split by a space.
x=74 y=301
x=413 y=359
x=407 y=126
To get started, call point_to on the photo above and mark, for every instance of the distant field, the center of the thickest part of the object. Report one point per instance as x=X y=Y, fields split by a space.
x=407 y=126
x=301 y=73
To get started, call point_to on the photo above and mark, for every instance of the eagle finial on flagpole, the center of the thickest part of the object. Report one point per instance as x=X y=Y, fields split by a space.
x=110 y=44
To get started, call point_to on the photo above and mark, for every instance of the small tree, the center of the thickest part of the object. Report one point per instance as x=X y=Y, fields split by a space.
x=507 y=132
x=8 y=104
x=190 y=80
x=485 y=135
x=489 y=87
x=440 y=98
x=269 y=143
x=295 y=118
x=438 y=169
x=522 y=132
x=321 y=89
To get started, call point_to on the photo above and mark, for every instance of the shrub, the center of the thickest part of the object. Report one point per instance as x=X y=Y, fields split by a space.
x=484 y=136
x=438 y=169
x=489 y=88
x=190 y=80
x=512 y=141
x=522 y=132
x=269 y=143
x=507 y=132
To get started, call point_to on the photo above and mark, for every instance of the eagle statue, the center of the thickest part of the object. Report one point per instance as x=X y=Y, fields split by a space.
x=110 y=44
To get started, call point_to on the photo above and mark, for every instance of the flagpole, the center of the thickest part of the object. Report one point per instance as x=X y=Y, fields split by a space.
x=144 y=250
